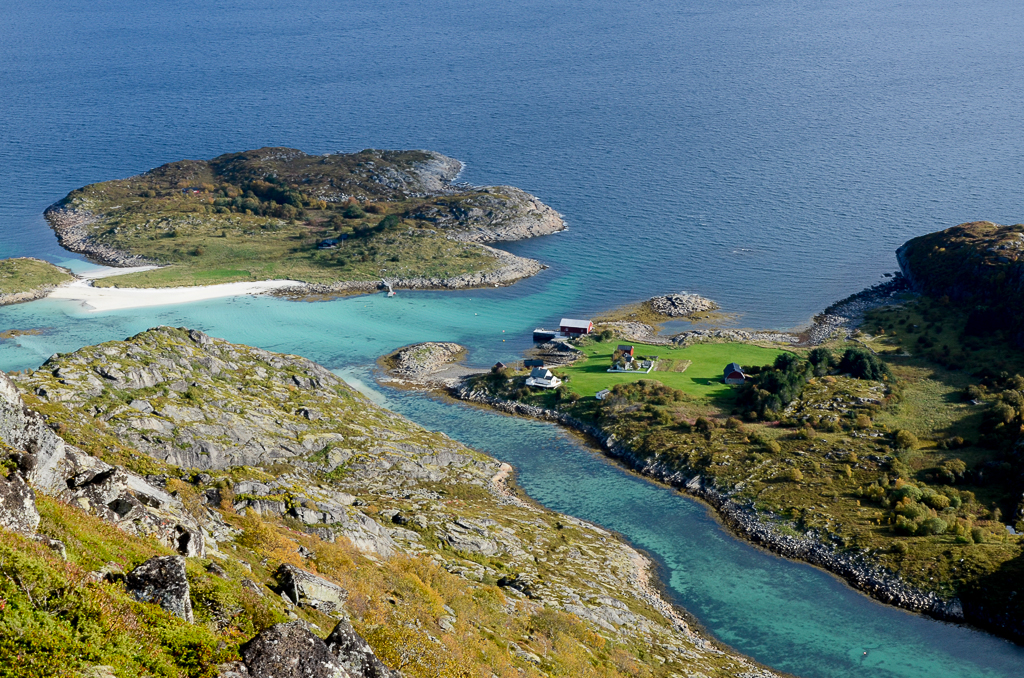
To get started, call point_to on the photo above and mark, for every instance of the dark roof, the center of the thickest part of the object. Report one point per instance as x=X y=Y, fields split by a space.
x=533 y=363
x=539 y=373
x=330 y=242
x=624 y=348
x=733 y=367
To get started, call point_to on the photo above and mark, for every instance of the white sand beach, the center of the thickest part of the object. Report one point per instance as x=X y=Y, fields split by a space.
x=95 y=299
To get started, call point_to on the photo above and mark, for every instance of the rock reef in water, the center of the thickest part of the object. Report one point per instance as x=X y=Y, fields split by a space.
x=681 y=305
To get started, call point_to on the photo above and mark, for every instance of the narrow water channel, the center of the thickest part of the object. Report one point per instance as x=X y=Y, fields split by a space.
x=787 y=615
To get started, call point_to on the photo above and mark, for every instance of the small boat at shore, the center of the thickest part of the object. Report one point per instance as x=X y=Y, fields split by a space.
x=541 y=335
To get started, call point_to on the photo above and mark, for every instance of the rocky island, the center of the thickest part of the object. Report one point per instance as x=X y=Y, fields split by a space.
x=174 y=504
x=340 y=223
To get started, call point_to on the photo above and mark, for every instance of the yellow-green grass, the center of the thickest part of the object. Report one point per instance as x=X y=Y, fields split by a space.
x=26 y=275
x=703 y=377
x=232 y=248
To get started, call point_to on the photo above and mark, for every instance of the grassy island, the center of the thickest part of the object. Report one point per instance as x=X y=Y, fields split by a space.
x=278 y=213
x=22 y=278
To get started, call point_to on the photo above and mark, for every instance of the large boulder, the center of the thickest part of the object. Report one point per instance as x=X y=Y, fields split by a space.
x=162 y=580
x=355 y=654
x=291 y=651
x=17 y=505
x=305 y=588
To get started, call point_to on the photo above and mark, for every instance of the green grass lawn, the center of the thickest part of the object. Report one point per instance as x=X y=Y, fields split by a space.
x=703 y=377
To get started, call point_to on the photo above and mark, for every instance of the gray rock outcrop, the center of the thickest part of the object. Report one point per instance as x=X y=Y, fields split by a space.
x=162 y=581
x=17 y=505
x=305 y=588
x=496 y=214
x=70 y=225
x=355 y=653
x=113 y=493
x=291 y=651
x=681 y=305
x=424 y=358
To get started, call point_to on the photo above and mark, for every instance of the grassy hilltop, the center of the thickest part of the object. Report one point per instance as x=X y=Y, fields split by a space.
x=261 y=214
x=23 y=278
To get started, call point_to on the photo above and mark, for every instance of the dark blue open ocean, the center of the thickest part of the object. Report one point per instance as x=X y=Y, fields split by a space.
x=769 y=154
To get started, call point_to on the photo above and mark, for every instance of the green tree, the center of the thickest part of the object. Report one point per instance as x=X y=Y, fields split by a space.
x=905 y=440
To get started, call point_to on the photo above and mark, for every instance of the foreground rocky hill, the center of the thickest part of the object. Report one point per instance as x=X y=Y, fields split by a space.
x=325 y=535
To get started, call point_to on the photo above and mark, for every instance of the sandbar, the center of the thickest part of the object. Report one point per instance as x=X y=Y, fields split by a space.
x=96 y=299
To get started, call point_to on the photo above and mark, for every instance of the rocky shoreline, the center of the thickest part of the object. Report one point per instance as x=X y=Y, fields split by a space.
x=403 y=492
x=33 y=294
x=877 y=582
x=744 y=520
x=846 y=315
x=22 y=297
x=69 y=225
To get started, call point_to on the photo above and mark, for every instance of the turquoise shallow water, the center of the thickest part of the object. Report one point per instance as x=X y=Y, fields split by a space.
x=770 y=154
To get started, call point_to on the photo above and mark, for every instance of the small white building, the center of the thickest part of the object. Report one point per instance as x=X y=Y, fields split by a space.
x=542 y=377
x=601 y=395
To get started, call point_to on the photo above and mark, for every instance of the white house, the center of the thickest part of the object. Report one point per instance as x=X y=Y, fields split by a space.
x=543 y=378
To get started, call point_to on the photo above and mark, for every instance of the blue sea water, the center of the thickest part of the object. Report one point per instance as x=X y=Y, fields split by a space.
x=768 y=154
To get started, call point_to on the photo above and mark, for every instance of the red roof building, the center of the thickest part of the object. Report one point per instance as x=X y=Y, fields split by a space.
x=574 y=327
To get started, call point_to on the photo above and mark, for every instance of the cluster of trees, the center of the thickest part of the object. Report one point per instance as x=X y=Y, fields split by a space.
x=915 y=510
x=644 y=395
x=772 y=387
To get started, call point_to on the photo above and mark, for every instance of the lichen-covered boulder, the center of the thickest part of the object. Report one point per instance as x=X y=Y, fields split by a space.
x=162 y=580
x=291 y=651
x=355 y=654
x=304 y=588
x=17 y=505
